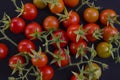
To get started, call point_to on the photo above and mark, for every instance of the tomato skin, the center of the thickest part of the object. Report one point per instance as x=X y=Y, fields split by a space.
x=103 y=50
x=47 y=72
x=91 y=28
x=73 y=19
x=73 y=77
x=17 y=25
x=70 y=32
x=31 y=29
x=50 y=22
x=57 y=8
x=26 y=46
x=14 y=59
x=63 y=38
x=39 y=4
x=108 y=32
x=30 y=11
x=98 y=71
x=3 y=51
x=63 y=54
x=104 y=15
x=75 y=45
x=41 y=61
x=71 y=3
x=91 y=14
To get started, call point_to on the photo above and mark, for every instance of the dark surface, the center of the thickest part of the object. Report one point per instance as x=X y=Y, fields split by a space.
x=113 y=73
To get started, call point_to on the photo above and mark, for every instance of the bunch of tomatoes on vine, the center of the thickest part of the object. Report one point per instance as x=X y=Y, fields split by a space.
x=62 y=37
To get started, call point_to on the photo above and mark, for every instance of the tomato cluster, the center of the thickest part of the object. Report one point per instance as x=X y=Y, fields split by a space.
x=72 y=40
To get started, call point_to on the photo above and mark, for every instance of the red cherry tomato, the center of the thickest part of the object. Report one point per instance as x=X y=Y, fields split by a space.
x=71 y=3
x=104 y=15
x=108 y=32
x=17 y=25
x=63 y=37
x=26 y=46
x=63 y=54
x=15 y=59
x=47 y=72
x=57 y=8
x=3 y=51
x=31 y=29
x=91 y=14
x=40 y=61
x=30 y=11
x=73 y=19
x=74 y=46
x=50 y=22
x=91 y=28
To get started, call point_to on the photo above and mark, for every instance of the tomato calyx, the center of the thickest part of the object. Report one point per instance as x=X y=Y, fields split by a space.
x=97 y=34
x=112 y=20
x=18 y=67
x=57 y=40
x=57 y=58
x=5 y=21
x=64 y=16
x=88 y=3
x=115 y=40
x=35 y=35
x=81 y=51
x=80 y=33
x=20 y=10
x=80 y=76
x=53 y=2
x=35 y=54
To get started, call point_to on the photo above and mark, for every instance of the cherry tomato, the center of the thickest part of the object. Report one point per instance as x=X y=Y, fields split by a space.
x=39 y=4
x=30 y=11
x=26 y=46
x=91 y=14
x=58 y=6
x=3 y=51
x=71 y=32
x=91 y=28
x=64 y=57
x=74 y=46
x=104 y=15
x=108 y=32
x=17 y=25
x=97 y=73
x=63 y=37
x=71 y=3
x=40 y=61
x=50 y=22
x=15 y=59
x=103 y=50
x=73 y=19
x=32 y=28
x=47 y=72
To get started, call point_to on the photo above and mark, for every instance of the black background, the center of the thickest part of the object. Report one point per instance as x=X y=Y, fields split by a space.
x=7 y=6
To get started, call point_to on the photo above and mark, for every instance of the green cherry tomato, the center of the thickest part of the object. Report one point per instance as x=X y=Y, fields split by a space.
x=103 y=50
x=97 y=73
x=39 y=4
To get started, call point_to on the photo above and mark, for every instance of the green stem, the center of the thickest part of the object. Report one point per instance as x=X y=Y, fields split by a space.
x=7 y=38
x=2 y=38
